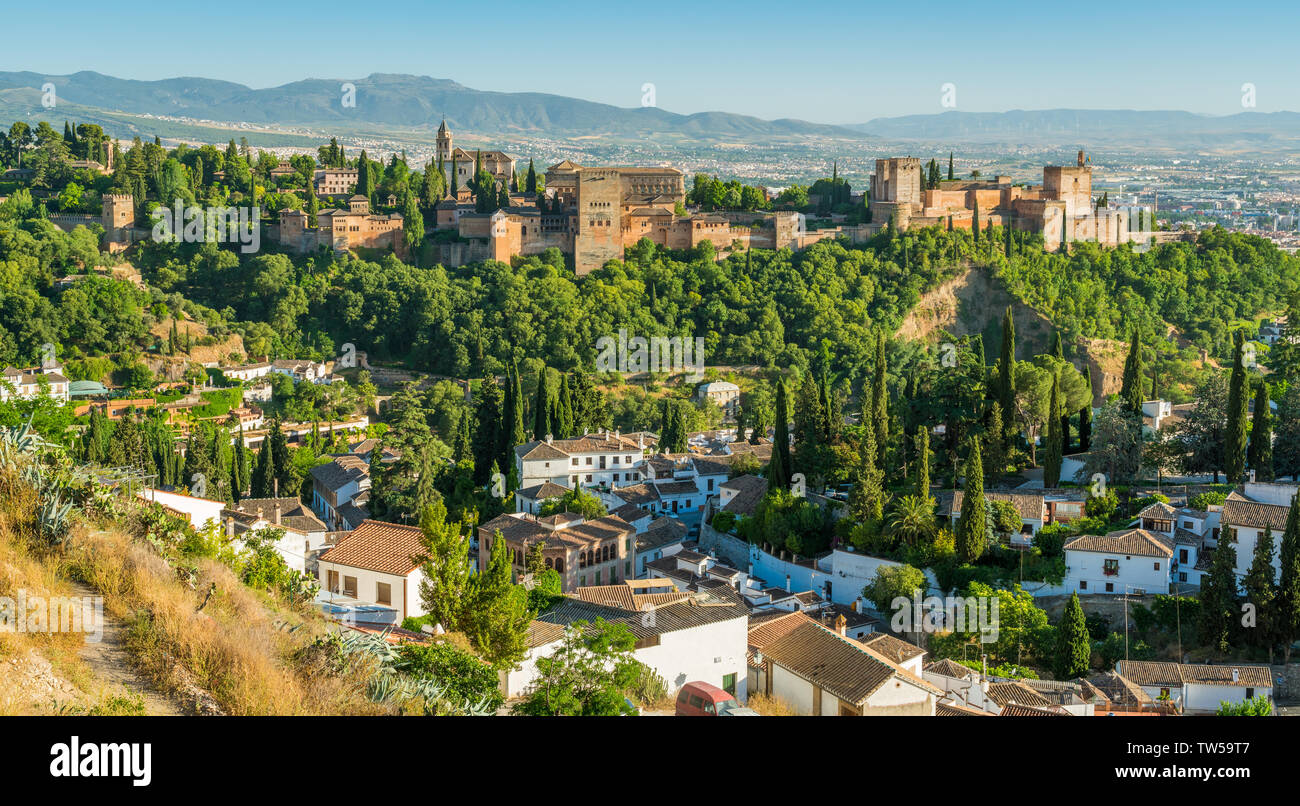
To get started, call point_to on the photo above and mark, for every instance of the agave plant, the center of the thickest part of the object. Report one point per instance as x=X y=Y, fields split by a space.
x=53 y=517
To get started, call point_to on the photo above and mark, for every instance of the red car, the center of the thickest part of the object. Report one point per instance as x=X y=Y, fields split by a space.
x=706 y=699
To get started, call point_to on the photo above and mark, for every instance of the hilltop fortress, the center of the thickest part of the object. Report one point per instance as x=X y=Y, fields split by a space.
x=1061 y=209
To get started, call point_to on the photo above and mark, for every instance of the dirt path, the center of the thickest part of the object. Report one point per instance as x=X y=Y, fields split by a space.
x=111 y=664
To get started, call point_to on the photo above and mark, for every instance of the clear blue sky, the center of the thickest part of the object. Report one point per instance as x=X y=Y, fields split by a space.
x=832 y=62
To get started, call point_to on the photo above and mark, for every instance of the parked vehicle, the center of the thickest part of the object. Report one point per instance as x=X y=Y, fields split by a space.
x=705 y=699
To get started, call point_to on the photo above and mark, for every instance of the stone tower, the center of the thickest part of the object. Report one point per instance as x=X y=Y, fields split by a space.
x=444 y=142
x=600 y=220
x=117 y=219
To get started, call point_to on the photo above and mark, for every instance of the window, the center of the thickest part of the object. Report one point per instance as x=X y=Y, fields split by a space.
x=575 y=461
x=1083 y=584
x=1250 y=693
x=588 y=460
x=1156 y=566
x=588 y=478
x=1110 y=568
x=1182 y=555
x=350 y=586
x=729 y=684
x=1182 y=577
x=1110 y=587
x=383 y=593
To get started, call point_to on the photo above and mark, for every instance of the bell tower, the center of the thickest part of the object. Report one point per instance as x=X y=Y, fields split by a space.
x=444 y=142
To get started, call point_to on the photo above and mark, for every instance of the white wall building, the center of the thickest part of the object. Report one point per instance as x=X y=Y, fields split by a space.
x=1133 y=561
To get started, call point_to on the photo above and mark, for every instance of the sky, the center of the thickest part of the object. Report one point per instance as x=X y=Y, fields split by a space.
x=829 y=62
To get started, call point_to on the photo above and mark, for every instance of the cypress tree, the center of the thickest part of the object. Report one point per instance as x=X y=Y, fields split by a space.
x=1055 y=448
x=780 y=469
x=1073 y=646
x=923 y=461
x=949 y=166
x=880 y=404
x=542 y=407
x=1219 y=595
x=975 y=221
x=530 y=183
x=1006 y=376
x=995 y=457
x=1261 y=436
x=1131 y=392
x=489 y=416
x=1288 y=593
x=972 y=527
x=463 y=450
x=1085 y=414
x=1234 y=446
x=1262 y=593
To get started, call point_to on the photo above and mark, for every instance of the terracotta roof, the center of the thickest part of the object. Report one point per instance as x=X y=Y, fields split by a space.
x=953 y=709
x=377 y=546
x=1114 y=688
x=335 y=475
x=1239 y=510
x=1158 y=510
x=1134 y=542
x=1016 y=709
x=653 y=613
x=1165 y=673
x=896 y=649
x=749 y=492
x=847 y=669
x=949 y=668
x=539 y=492
x=1015 y=692
x=1028 y=505
x=767 y=626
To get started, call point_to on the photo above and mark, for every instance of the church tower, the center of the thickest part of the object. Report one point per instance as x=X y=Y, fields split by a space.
x=444 y=142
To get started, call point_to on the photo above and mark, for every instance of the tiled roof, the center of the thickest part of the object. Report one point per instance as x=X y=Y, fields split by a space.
x=1134 y=542
x=1114 y=688
x=293 y=513
x=337 y=474
x=1029 y=505
x=1158 y=510
x=949 y=668
x=768 y=625
x=749 y=492
x=1017 y=709
x=847 y=669
x=1239 y=510
x=540 y=492
x=1165 y=673
x=1015 y=692
x=944 y=708
x=655 y=614
x=377 y=546
x=896 y=649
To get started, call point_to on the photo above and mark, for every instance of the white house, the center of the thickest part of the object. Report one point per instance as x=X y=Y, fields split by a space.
x=247 y=372
x=1133 y=561
x=1191 y=530
x=608 y=458
x=724 y=394
x=304 y=533
x=1198 y=688
x=684 y=636
x=201 y=512
x=531 y=499
x=27 y=384
x=339 y=490
x=1263 y=506
x=372 y=566
x=820 y=672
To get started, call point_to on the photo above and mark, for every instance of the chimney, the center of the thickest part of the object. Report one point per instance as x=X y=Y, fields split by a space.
x=857 y=605
x=787 y=583
x=842 y=626
x=230 y=527
x=1236 y=675
x=617 y=433
x=259 y=513
x=275 y=487
x=277 y=514
x=549 y=439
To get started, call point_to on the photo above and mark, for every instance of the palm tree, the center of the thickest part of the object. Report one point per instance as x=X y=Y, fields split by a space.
x=913 y=518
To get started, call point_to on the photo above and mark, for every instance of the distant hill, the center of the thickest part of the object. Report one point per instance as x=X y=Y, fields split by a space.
x=1094 y=126
x=385 y=100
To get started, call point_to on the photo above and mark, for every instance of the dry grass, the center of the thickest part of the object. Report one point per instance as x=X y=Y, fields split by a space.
x=770 y=706
x=243 y=649
x=238 y=647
